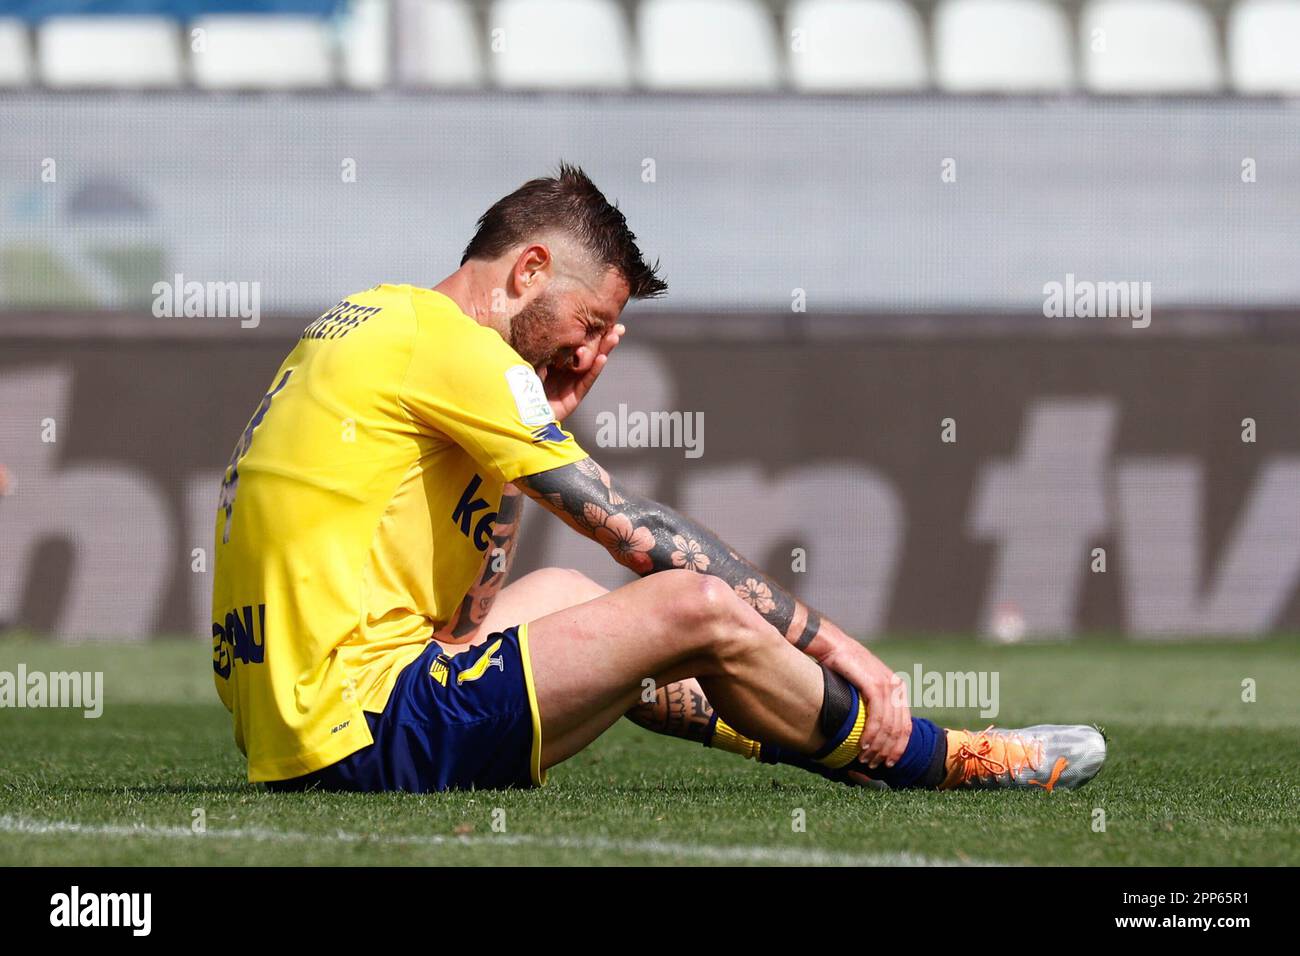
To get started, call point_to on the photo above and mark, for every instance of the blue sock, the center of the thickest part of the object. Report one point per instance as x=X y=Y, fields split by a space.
x=921 y=765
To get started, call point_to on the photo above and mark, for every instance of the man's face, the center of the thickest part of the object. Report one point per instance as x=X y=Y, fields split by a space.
x=563 y=328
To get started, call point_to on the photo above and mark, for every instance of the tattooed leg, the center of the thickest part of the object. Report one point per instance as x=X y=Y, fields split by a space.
x=678 y=710
x=651 y=538
x=590 y=662
x=682 y=710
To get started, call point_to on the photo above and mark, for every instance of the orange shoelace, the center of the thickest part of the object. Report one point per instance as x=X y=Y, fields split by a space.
x=978 y=758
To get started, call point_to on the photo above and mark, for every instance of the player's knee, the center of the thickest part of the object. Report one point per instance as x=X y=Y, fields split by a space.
x=570 y=582
x=709 y=614
x=694 y=600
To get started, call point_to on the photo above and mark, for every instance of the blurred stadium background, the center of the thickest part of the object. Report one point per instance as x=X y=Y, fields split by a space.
x=859 y=206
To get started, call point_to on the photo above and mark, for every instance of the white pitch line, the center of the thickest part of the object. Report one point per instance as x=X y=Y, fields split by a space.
x=716 y=854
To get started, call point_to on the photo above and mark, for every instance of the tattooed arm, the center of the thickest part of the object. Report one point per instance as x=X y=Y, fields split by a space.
x=491 y=576
x=648 y=537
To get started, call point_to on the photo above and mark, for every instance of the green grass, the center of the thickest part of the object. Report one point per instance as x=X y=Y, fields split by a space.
x=1196 y=776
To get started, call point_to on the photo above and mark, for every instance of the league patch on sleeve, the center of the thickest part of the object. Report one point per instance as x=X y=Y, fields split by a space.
x=530 y=396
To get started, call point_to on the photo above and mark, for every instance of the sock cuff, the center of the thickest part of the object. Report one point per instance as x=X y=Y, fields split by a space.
x=726 y=737
x=843 y=747
x=938 y=766
x=923 y=763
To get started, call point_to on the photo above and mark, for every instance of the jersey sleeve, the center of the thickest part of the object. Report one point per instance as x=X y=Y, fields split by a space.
x=465 y=382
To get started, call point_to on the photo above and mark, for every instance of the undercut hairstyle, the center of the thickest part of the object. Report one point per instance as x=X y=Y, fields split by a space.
x=568 y=201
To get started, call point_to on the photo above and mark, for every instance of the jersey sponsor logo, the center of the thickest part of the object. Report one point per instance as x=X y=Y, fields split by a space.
x=480 y=666
x=530 y=395
x=463 y=516
x=240 y=637
x=549 y=432
x=439 y=670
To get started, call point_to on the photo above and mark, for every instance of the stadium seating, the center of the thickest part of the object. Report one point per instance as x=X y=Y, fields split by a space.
x=15 y=54
x=1111 y=47
x=232 y=52
x=1148 y=46
x=438 y=44
x=843 y=45
x=575 y=44
x=1264 y=46
x=111 y=52
x=707 y=45
x=1007 y=46
x=365 y=49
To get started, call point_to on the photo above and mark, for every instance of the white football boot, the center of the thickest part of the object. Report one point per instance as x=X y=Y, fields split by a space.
x=1042 y=757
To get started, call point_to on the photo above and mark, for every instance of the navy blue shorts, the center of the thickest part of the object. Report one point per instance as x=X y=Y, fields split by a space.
x=452 y=723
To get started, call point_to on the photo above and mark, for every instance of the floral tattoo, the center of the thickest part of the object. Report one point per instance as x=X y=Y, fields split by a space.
x=647 y=537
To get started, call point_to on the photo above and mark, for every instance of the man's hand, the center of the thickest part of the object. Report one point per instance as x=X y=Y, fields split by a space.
x=647 y=536
x=567 y=385
x=889 y=720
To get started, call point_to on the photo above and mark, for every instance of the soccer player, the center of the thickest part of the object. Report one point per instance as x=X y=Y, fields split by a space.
x=362 y=636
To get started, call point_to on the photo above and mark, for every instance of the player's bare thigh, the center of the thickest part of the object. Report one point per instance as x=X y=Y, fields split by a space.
x=585 y=671
x=544 y=592
x=592 y=648
x=590 y=661
x=549 y=590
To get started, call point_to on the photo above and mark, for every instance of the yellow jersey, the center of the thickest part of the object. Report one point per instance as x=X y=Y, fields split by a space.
x=355 y=512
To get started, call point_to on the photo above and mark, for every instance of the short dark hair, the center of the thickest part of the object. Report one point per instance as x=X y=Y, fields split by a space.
x=570 y=201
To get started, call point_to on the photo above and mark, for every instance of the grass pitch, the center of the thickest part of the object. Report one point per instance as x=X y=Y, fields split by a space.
x=1196 y=776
